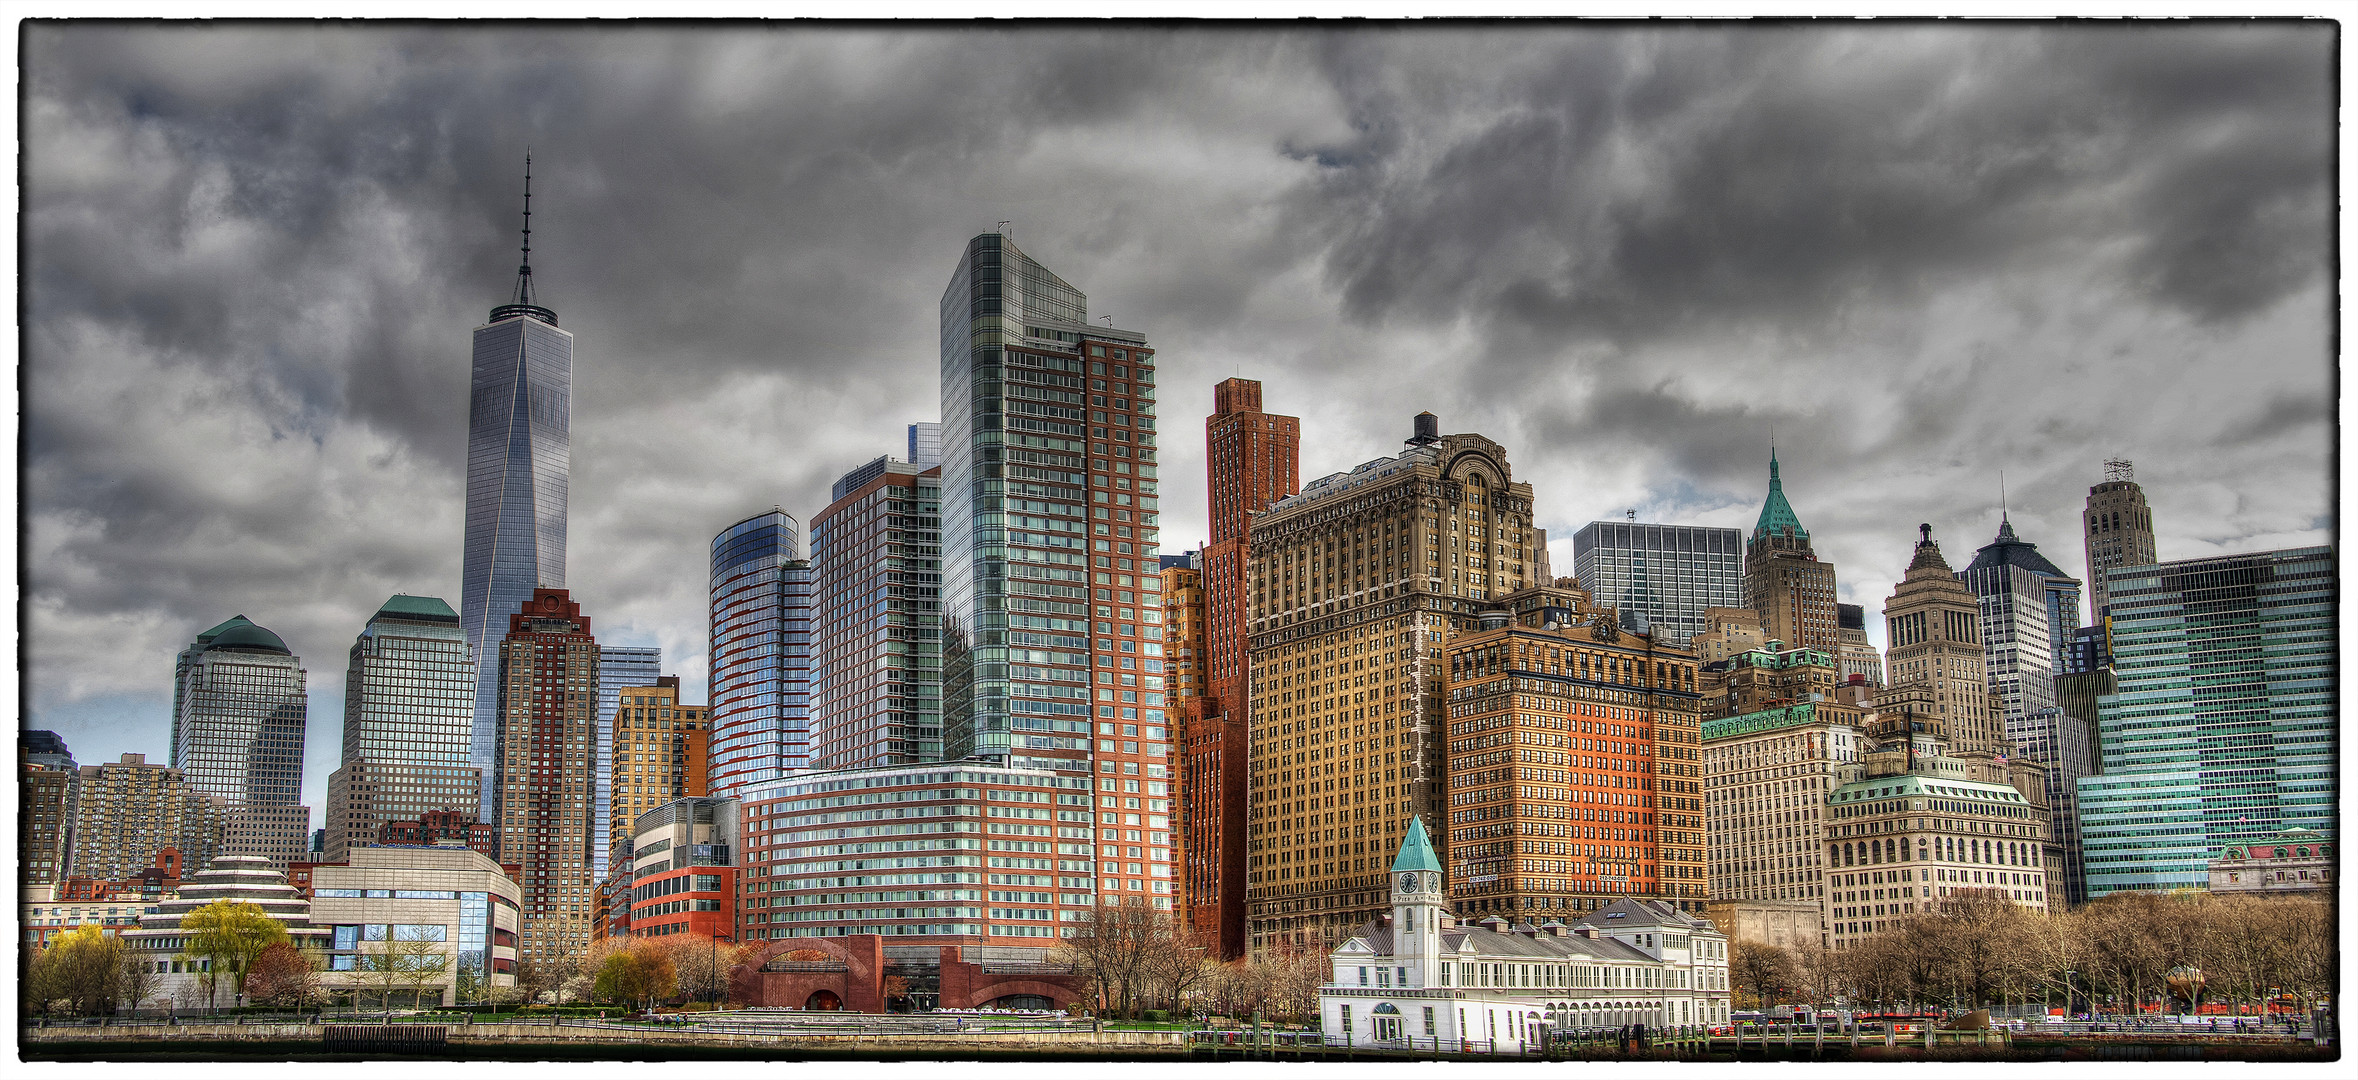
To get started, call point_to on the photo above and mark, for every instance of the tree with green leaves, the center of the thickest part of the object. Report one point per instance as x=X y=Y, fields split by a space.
x=227 y=935
x=81 y=970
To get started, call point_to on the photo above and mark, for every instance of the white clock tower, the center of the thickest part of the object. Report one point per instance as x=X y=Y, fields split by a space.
x=1418 y=899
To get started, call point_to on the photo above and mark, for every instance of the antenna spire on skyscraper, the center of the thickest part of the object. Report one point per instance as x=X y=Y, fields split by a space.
x=524 y=269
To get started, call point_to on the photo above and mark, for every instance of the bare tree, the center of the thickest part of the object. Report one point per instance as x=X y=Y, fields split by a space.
x=1111 y=947
x=1761 y=971
x=1822 y=974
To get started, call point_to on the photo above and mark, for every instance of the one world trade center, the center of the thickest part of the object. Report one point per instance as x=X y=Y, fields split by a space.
x=518 y=454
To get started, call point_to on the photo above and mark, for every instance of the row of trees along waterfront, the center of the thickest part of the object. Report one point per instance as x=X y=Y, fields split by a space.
x=2124 y=953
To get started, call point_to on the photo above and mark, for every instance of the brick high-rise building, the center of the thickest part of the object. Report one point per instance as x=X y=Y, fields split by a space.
x=1052 y=635
x=661 y=750
x=875 y=616
x=409 y=724
x=1783 y=578
x=2118 y=528
x=1575 y=763
x=48 y=793
x=544 y=784
x=1184 y=622
x=1352 y=588
x=1252 y=459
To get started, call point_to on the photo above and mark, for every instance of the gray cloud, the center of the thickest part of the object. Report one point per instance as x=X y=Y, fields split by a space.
x=1922 y=253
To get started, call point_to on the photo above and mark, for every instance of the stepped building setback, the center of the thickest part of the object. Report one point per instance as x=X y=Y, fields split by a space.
x=1252 y=459
x=1354 y=587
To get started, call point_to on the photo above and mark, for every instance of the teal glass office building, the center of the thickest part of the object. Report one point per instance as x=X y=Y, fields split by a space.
x=2222 y=728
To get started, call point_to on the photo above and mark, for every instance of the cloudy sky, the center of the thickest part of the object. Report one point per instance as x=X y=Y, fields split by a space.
x=1923 y=254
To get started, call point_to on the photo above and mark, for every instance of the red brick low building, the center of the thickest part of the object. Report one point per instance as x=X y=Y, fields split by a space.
x=860 y=973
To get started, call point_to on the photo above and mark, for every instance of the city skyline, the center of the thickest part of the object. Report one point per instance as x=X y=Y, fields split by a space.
x=1346 y=217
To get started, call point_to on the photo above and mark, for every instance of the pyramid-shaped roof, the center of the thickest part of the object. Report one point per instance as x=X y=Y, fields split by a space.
x=1776 y=515
x=1416 y=852
x=2011 y=550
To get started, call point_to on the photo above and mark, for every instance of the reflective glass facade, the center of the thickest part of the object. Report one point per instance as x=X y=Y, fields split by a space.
x=1051 y=588
x=409 y=718
x=876 y=566
x=2222 y=729
x=518 y=454
x=238 y=737
x=618 y=666
x=761 y=652
x=1667 y=573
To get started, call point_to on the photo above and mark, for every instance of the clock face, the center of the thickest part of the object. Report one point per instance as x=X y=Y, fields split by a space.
x=1408 y=883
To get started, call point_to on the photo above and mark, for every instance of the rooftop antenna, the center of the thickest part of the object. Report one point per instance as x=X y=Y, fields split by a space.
x=1002 y=227
x=1107 y=320
x=2001 y=495
x=1633 y=514
x=524 y=270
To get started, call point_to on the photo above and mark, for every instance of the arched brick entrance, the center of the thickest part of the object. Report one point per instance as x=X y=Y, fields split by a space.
x=859 y=987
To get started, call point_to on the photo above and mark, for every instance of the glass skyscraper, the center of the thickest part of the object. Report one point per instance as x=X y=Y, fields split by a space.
x=1027 y=410
x=618 y=666
x=239 y=707
x=1051 y=583
x=1667 y=573
x=761 y=653
x=2222 y=729
x=409 y=717
x=519 y=452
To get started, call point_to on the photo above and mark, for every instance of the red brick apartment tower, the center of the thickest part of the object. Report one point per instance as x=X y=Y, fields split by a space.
x=543 y=772
x=1252 y=459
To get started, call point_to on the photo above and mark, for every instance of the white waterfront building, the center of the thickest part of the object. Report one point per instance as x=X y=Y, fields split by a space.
x=1418 y=979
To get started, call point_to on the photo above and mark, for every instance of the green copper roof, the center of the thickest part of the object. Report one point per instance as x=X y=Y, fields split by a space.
x=1755 y=722
x=1416 y=852
x=234 y=620
x=401 y=604
x=1776 y=515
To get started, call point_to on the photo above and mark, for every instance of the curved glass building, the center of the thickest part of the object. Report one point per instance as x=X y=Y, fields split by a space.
x=761 y=653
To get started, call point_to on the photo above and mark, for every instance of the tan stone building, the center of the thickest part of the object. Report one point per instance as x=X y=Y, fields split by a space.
x=1767 y=775
x=128 y=810
x=2295 y=861
x=1932 y=633
x=661 y=750
x=1727 y=632
x=2118 y=528
x=1575 y=776
x=1184 y=627
x=1786 y=924
x=1353 y=588
x=1783 y=578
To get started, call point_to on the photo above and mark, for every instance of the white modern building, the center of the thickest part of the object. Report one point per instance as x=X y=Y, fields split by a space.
x=417 y=924
x=1418 y=979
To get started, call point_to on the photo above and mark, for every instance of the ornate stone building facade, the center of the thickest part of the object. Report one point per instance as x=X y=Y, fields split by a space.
x=1783 y=579
x=1575 y=772
x=1353 y=588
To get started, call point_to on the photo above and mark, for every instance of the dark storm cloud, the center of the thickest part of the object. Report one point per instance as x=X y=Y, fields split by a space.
x=1919 y=252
